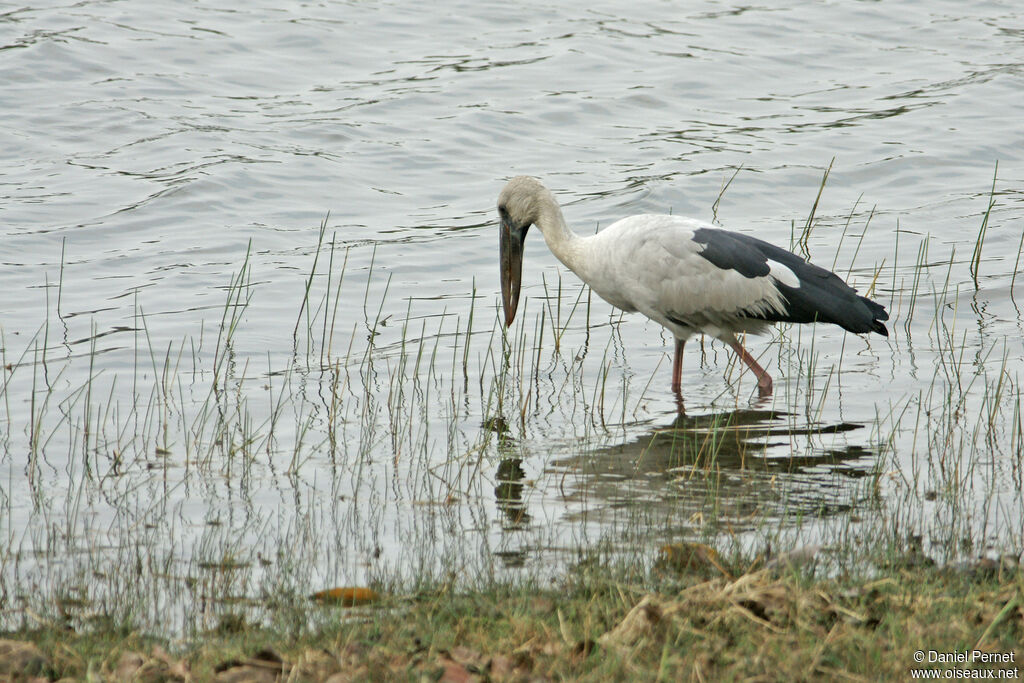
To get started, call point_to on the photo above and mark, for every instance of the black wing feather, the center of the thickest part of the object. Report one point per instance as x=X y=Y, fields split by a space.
x=821 y=297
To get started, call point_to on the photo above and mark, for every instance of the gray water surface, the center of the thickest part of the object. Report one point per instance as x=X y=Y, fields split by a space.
x=151 y=153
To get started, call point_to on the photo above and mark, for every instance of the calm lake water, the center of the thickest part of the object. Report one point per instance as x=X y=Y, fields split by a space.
x=198 y=387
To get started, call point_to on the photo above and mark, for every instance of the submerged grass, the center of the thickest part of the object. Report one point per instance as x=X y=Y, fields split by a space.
x=463 y=471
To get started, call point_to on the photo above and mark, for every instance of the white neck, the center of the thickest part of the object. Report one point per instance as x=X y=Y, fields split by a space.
x=563 y=242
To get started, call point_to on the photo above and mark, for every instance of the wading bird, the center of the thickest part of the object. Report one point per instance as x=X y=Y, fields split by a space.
x=682 y=273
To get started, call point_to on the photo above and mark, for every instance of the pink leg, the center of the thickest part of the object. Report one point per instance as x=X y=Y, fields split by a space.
x=677 y=366
x=764 y=382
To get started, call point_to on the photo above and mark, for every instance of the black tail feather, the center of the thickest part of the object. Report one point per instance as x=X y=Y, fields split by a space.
x=878 y=314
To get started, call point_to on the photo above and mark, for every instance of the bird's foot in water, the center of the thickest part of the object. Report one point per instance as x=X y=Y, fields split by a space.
x=679 y=401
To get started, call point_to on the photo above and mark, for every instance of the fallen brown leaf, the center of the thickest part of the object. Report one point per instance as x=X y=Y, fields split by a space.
x=471 y=659
x=265 y=665
x=505 y=667
x=454 y=672
x=20 y=658
x=645 y=621
x=247 y=673
x=128 y=665
x=175 y=667
x=138 y=668
x=356 y=675
x=348 y=596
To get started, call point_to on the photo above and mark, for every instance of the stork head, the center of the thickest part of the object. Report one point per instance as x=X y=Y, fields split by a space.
x=519 y=206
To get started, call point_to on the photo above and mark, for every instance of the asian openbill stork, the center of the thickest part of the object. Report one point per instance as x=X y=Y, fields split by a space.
x=683 y=273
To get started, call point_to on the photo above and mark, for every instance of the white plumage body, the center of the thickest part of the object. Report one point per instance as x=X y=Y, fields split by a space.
x=651 y=264
x=683 y=273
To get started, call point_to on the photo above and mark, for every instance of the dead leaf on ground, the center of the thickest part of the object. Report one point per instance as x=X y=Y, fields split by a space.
x=128 y=665
x=504 y=667
x=265 y=665
x=356 y=675
x=471 y=659
x=18 y=658
x=160 y=666
x=537 y=645
x=646 y=621
x=455 y=672
x=248 y=674
x=348 y=596
x=176 y=667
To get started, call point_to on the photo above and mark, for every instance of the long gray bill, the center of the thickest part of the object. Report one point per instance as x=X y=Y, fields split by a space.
x=511 y=248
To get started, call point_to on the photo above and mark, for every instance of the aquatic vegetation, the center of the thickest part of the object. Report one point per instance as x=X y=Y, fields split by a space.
x=175 y=483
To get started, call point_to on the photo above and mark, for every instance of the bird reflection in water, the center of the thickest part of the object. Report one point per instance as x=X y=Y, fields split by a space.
x=510 y=478
x=509 y=493
x=740 y=466
x=731 y=469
